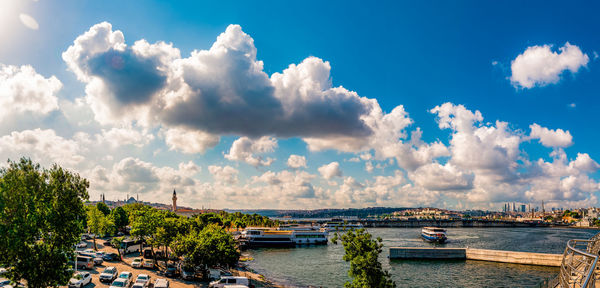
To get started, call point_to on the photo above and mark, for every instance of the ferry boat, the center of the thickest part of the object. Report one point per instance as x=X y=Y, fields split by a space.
x=338 y=225
x=434 y=234
x=291 y=236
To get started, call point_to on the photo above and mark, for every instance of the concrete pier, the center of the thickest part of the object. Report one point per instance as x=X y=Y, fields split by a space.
x=527 y=258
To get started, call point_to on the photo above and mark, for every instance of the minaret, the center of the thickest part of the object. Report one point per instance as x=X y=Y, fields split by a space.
x=174 y=200
x=103 y=200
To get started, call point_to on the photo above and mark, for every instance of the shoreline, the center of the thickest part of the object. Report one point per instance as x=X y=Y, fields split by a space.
x=257 y=279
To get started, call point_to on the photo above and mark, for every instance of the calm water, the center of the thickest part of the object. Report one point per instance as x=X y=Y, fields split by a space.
x=323 y=265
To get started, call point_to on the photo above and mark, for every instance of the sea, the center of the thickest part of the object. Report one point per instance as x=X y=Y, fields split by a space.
x=323 y=266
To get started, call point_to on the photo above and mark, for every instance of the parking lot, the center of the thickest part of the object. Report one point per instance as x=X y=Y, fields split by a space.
x=125 y=266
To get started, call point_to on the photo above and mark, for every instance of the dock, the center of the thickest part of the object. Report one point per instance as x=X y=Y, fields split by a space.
x=526 y=258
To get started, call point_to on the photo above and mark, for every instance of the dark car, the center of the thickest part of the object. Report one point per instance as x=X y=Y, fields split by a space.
x=111 y=257
x=172 y=270
x=148 y=253
x=107 y=243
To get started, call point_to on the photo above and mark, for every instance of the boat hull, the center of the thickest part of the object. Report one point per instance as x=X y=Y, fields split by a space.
x=433 y=239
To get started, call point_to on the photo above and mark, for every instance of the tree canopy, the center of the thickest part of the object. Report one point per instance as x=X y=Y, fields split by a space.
x=41 y=212
x=212 y=246
x=362 y=251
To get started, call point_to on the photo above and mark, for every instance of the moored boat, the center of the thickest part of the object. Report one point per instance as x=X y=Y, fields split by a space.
x=434 y=234
x=291 y=236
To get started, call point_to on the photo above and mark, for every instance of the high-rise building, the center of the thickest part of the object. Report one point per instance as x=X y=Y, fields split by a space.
x=523 y=208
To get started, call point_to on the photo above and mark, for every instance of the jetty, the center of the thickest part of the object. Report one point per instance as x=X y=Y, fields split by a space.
x=527 y=258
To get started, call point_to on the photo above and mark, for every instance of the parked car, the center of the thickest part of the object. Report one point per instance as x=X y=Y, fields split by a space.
x=148 y=263
x=172 y=269
x=111 y=257
x=161 y=283
x=216 y=274
x=5 y=283
x=188 y=272
x=140 y=285
x=136 y=263
x=108 y=275
x=143 y=278
x=80 y=279
x=227 y=281
x=126 y=275
x=85 y=262
x=85 y=237
x=148 y=253
x=107 y=243
x=120 y=283
x=81 y=245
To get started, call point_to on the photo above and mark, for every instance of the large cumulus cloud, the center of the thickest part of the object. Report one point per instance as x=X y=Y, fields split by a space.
x=222 y=91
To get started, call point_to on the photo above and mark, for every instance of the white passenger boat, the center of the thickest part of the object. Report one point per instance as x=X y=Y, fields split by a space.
x=291 y=236
x=434 y=234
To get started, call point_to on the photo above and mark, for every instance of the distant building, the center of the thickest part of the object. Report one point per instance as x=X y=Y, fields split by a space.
x=523 y=208
x=174 y=201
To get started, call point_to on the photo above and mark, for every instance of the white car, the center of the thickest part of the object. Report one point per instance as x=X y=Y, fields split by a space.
x=80 y=279
x=108 y=275
x=120 y=283
x=139 y=285
x=161 y=283
x=136 y=263
x=227 y=281
x=126 y=275
x=81 y=245
x=143 y=278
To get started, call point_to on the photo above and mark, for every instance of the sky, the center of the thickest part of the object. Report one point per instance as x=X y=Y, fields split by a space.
x=308 y=104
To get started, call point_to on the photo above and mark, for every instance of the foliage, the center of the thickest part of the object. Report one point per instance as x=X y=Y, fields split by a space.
x=103 y=208
x=116 y=242
x=40 y=222
x=212 y=246
x=119 y=217
x=362 y=252
x=98 y=223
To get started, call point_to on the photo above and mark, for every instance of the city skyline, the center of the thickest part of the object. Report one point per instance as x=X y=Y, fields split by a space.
x=307 y=105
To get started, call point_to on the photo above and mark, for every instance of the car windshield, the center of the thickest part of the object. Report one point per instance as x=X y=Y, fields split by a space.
x=118 y=284
x=109 y=270
x=142 y=277
x=138 y=285
x=124 y=275
x=78 y=276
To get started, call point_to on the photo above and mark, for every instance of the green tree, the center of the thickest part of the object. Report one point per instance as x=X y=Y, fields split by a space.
x=362 y=251
x=103 y=208
x=116 y=242
x=40 y=222
x=119 y=217
x=98 y=223
x=212 y=246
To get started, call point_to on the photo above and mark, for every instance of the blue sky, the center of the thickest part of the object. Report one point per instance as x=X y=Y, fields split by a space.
x=419 y=55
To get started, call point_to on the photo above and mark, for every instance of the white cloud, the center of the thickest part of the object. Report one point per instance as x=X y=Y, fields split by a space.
x=245 y=149
x=551 y=138
x=296 y=161
x=29 y=21
x=224 y=90
x=540 y=66
x=117 y=137
x=330 y=170
x=286 y=183
x=369 y=166
x=22 y=89
x=189 y=141
x=224 y=174
x=42 y=146
x=438 y=177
